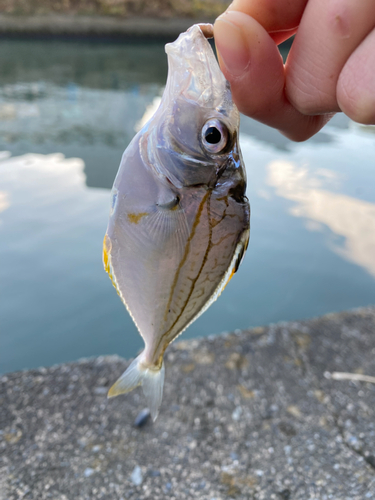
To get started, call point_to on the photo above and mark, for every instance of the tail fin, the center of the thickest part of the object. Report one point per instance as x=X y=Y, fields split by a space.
x=152 y=383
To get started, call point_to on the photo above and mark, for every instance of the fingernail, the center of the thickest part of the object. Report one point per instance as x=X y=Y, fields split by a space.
x=231 y=43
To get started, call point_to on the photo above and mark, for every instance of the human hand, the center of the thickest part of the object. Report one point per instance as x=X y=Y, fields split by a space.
x=330 y=67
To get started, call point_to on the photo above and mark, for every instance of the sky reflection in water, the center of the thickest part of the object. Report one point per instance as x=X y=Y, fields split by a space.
x=65 y=120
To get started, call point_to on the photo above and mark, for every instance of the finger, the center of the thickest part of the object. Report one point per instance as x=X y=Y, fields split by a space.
x=280 y=18
x=273 y=15
x=250 y=60
x=281 y=36
x=356 y=83
x=329 y=31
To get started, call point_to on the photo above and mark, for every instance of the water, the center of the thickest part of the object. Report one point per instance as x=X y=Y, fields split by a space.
x=67 y=112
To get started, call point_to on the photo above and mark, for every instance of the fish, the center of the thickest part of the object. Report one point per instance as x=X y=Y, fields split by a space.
x=179 y=220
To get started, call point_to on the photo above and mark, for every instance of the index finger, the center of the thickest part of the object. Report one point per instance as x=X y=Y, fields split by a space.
x=280 y=18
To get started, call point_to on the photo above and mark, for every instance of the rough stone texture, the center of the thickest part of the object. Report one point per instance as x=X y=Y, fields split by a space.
x=123 y=8
x=245 y=415
x=68 y=25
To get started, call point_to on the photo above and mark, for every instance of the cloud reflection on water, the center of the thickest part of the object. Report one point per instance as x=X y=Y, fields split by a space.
x=4 y=201
x=346 y=216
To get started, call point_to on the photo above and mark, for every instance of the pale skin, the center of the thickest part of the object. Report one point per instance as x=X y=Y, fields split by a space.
x=330 y=68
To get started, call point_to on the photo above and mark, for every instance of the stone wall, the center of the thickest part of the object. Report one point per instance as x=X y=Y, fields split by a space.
x=123 y=8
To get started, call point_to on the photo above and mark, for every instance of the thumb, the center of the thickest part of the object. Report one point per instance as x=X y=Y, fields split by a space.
x=251 y=62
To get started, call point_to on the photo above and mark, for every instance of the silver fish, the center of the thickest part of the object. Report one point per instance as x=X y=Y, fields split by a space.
x=179 y=222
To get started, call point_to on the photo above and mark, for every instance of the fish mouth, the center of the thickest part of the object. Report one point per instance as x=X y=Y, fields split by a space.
x=230 y=177
x=237 y=192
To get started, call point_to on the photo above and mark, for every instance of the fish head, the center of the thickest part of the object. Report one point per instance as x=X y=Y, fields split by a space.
x=193 y=137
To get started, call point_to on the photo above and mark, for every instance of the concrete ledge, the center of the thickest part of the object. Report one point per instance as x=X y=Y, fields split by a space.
x=64 y=25
x=249 y=415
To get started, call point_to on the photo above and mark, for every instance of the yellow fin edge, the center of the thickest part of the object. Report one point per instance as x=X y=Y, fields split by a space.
x=239 y=255
x=107 y=245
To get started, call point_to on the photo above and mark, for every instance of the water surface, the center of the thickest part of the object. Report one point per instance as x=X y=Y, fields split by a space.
x=67 y=112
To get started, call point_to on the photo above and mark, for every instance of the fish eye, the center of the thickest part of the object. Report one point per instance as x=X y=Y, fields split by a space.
x=214 y=136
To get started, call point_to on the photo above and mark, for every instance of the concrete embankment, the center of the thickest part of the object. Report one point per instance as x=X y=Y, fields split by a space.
x=105 y=18
x=84 y=26
x=248 y=415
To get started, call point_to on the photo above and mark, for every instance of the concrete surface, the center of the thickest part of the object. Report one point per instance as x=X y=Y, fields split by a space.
x=247 y=415
x=69 y=25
